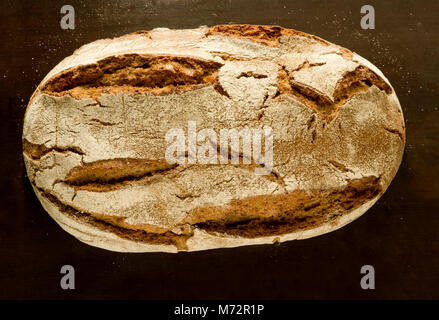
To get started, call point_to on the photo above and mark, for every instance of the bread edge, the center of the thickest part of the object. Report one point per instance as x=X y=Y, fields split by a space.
x=200 y=241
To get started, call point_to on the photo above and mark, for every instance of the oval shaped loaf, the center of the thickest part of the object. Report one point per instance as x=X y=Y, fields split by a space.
x=95 y=138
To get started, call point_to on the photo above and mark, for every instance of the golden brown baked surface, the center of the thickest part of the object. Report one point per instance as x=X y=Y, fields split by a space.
x=94 y=138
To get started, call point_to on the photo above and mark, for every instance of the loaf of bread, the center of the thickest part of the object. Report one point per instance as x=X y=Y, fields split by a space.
x=125 y=141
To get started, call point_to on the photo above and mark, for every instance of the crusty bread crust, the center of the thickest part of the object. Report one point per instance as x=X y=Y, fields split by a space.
x=94 y=147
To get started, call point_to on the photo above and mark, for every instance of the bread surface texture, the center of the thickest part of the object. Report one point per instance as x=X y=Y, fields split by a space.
x=94 y=138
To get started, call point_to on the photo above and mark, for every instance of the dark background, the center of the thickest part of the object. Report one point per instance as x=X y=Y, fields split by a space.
x=398 y=236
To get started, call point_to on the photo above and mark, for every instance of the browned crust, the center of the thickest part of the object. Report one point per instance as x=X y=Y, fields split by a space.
x=352 y=83
x=106 y=175
x=36 y=151
x=134 y=73
x=259 y=216
x=116 y=225
x=163 y=75
x=269 y=215
x=144 y=33
x=361 y=77
x=268 y=35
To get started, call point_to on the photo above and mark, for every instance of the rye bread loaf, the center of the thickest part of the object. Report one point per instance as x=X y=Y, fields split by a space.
x=94 y=138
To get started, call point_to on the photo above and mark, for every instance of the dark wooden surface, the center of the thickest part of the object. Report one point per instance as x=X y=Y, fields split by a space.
x=398 y=236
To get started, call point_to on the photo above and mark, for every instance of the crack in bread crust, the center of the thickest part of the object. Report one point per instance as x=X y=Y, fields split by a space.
x=352 y=83
x=163 y=75
x=248 y=217
x=37 y=151
x=268 y=35
x=107 y=175
x=396 y=132
x=135 y=73
x=269 y=215
x=116 y=225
